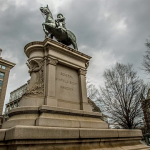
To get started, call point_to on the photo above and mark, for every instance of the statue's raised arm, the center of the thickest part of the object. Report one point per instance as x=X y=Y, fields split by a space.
x=57 y=28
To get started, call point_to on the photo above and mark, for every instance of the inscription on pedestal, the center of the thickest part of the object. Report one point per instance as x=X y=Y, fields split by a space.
x=67 y=87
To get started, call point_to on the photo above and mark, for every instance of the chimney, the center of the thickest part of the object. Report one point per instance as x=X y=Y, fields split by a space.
x=0 y=53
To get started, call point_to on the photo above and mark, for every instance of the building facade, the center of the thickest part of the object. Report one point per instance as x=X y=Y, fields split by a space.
x=5 y=67
x=15 y=97
x=146 y=111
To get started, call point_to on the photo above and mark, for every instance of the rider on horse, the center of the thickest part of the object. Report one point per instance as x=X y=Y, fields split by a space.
x=57 y=28
x=60 y=22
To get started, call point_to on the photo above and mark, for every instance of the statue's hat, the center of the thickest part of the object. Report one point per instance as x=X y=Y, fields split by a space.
x=59 y=14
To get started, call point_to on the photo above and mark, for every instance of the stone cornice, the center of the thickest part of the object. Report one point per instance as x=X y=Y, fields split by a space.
x=33 y=43
x=6 y=62
x=59 y=46
x=32 y=48
x=65 y=47
x=52 y=61
x=55 y=110
x=82 y=72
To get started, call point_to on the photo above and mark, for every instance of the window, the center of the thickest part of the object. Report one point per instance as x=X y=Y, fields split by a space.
x=3 y=67
x=1 y=82
x=1 y=75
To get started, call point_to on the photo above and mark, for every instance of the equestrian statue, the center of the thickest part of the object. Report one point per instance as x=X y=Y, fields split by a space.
x=57 y=28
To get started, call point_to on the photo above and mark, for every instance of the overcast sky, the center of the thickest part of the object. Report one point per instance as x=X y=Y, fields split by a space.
x=108 y=30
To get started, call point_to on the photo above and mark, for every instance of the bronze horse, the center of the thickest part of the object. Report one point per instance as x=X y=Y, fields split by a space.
x=50 y=27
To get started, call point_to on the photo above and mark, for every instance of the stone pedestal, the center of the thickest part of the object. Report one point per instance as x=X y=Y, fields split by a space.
x=61 y=71
x=54 y=112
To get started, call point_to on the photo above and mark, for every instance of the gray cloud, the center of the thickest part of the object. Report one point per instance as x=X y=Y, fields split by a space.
x=109 y=31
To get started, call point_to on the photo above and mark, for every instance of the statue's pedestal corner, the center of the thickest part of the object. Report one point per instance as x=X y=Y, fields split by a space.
x=51 y=101
x=86 y=107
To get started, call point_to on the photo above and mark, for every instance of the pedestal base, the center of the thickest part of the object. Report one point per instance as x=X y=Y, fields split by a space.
x=54 y=138
x=54 y=117
x=54 y=113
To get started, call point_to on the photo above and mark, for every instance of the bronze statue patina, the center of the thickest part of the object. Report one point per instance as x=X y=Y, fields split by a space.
x=57 y=28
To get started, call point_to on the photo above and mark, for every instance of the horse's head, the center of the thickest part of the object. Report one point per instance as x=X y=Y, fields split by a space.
x=45 y=10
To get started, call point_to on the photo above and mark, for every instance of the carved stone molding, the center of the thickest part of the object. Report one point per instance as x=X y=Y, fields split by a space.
x=53 y=43
x=87 y=64
x=52 y=61
x=82 y=72
x=36 y=83
x=47 y=47
x=37 y=89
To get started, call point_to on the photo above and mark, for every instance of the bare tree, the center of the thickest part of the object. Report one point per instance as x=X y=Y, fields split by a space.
x=121 y=96
x=146 y=58
x=93 y=94
x=92 y=91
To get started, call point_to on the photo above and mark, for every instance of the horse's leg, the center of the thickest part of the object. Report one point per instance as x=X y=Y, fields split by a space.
x=46 y=32
x=74 y=44
x=51 y=36
x=50 y=26
x=72 y=39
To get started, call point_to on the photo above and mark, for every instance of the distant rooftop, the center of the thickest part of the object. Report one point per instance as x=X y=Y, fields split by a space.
x=6 y=61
